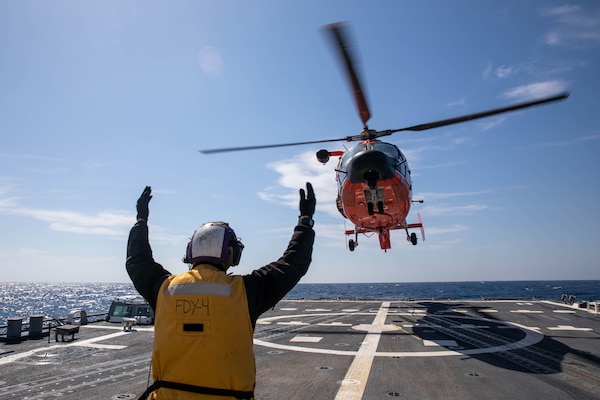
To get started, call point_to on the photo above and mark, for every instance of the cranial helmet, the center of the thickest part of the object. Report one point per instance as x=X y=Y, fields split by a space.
x=210 y=244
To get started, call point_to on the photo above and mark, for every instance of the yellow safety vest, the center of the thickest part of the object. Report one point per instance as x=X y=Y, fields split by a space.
x=203 y=337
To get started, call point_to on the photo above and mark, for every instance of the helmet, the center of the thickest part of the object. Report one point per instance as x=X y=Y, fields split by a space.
x=210 y=244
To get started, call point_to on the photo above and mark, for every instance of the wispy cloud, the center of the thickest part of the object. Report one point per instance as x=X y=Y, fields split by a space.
x=108 y=223
x=534 y=90
x=453 y=210
x=569 y=142
x=447 y=230
x=102 y=223
x=438 y=196
x=457 y=103
x=576 y=27
x=491 y=123
x=493 y=72
x=30 y=157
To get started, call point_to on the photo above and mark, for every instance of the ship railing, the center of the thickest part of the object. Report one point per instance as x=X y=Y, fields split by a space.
x=49 y=323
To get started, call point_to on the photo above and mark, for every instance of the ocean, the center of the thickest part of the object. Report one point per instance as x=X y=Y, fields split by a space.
x=18 y=299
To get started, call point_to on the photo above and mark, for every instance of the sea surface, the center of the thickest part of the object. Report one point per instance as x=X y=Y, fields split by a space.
x=21 y=300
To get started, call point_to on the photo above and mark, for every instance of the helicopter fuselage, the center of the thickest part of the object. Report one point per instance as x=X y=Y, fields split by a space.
x=374 y=188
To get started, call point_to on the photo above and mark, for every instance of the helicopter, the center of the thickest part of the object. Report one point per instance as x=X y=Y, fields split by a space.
x=373 y=177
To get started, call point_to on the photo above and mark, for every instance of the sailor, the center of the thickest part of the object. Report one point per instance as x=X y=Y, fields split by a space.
x=205 y=318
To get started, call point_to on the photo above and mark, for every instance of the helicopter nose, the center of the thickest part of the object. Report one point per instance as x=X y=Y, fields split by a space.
x=370 y=166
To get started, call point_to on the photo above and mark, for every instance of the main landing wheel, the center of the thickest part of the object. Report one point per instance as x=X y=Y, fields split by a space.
x=351 y=244
x=413 y=238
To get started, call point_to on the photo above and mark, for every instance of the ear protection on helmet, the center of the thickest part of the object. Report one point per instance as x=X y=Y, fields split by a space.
x=237 y=247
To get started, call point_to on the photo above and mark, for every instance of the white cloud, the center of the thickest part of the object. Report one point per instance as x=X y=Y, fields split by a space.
x=491 y=123
x=569 y=142
x=563 y=10
x=487 y=71
x=503 y=72
x=535 y=90
x=575 y=26
x=496 y=72
x=457 y=103
x=437 y=196
x=443 y=231
x=453 y=210
x=104 y=223
x=294 y=173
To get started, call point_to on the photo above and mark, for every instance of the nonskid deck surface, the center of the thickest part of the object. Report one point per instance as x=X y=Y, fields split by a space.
x=309 y=349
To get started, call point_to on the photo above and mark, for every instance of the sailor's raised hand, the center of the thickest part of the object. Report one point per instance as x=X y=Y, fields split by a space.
x=307 y=201
x=142 y=204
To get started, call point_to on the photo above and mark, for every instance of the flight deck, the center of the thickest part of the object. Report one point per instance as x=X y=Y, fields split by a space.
x=347 y=349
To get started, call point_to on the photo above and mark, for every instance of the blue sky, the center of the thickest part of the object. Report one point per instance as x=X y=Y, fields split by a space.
x=99 y=99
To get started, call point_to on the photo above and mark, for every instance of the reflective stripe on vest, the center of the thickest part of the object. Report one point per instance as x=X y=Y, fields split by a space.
x=218 y=289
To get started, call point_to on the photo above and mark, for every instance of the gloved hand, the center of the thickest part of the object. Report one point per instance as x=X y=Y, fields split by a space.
x=142 y=204
x=307 y=201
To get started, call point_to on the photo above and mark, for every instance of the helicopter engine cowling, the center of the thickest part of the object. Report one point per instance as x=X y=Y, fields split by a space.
x=370 y=166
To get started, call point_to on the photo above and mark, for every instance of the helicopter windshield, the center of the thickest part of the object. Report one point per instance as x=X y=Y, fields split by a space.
x=389 y=149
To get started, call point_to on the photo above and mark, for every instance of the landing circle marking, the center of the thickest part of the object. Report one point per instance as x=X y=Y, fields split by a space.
x=531 y=338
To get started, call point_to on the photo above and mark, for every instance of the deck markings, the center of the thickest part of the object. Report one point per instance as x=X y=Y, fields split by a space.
x=306 y=339
x=361 y=366
x=569 y=328
x=527 y=311
x=440 y=343
x=333 y=324
x=532 y=336
x=82 y=343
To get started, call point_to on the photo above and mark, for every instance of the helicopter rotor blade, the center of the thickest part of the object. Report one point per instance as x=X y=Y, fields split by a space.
x=482 y=114
x=339 y=34
x=269 y=146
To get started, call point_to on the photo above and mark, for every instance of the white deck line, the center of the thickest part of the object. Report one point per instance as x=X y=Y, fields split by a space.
x=355 y=381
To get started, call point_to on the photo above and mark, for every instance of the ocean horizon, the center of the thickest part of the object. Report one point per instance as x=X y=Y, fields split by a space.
x=56 y=299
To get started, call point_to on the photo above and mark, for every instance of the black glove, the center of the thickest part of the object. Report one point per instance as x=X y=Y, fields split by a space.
x=307 y=201
x=142 y=204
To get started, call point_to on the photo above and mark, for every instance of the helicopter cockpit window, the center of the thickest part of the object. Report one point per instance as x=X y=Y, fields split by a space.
x=389 y=149
x=348 y=156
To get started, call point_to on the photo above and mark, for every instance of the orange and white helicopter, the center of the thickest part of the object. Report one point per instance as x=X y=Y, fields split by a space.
x=373 y=177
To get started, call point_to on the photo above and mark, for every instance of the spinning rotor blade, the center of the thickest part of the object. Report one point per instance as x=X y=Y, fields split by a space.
x=482 y=114
x=339 y=35
x=268 y=146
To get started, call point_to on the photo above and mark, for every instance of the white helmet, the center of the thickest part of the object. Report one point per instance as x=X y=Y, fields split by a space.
x=210 y=244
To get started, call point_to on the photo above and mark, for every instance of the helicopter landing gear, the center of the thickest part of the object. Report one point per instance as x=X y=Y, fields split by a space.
x=412 y=238
x=352 y=244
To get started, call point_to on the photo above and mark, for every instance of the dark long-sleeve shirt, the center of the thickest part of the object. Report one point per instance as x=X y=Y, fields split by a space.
x=264 y=286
